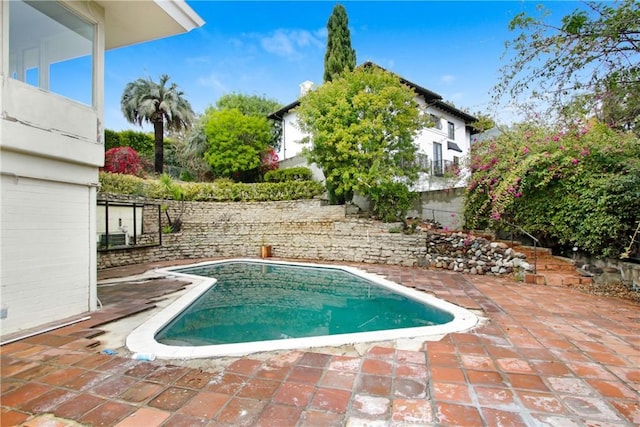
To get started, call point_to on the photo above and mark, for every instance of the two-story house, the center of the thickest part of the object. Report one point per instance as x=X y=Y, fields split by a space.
x=440 y=148
x=51 y=144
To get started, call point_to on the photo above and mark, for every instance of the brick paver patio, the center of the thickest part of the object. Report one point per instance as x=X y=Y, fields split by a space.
x=546 y=356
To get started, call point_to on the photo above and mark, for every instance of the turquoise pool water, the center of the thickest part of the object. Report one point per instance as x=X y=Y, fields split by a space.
x=254 y=301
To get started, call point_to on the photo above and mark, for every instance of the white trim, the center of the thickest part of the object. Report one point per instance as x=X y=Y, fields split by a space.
x=182 y=13
x=142 y=340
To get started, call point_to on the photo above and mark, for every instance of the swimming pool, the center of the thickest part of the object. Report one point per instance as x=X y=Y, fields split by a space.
x=244 y=306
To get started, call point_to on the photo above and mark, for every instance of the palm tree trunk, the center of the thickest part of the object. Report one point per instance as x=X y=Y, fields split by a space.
x=158 y=131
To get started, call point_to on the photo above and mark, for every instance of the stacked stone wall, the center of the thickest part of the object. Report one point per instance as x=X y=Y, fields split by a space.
x=308 y=230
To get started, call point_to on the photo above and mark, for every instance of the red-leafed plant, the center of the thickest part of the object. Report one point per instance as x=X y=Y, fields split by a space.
x=123 y=160
x=269 y=161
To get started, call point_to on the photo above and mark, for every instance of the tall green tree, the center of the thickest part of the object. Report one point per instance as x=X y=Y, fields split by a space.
x=162 y=105
x=339 y=57
x=236 y=143
x=254 y=105
x=362 y=127
x=594 y=53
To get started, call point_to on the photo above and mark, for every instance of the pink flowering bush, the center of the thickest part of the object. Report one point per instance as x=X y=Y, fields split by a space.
x=124 y=160
x=579 y=187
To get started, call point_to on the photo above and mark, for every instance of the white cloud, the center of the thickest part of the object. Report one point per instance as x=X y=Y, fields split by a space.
x=447 y=79
x=193 y=60
x=211 y=81
x=290 y=43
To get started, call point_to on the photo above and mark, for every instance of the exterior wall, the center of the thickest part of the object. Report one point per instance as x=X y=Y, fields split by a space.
x=292 y=135
x=443 y=206
x=51 y=148
x=45 y=270
x=300 y=161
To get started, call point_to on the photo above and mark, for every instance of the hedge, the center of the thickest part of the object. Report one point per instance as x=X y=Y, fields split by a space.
x=300 y=173
x=225 y=191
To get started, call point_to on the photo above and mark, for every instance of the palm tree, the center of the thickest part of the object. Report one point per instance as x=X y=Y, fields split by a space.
x=146 y=101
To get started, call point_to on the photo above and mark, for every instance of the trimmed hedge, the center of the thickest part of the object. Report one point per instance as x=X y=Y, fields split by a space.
x=211 y=191
x=300 y=173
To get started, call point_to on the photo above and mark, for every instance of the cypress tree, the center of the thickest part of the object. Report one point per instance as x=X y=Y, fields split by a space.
x=339 y=57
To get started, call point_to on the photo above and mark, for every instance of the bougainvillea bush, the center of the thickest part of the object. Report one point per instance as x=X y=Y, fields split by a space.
x=577 y=187
x=124 y=160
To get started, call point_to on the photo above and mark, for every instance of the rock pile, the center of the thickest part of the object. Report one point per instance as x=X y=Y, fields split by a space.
x=472 y=254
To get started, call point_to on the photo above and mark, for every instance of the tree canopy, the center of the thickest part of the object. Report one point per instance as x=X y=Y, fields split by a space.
x=362 y=128
x=237 y=143
x=339 y=56
x=591 y=56
x=254 y=105
x=145 y=101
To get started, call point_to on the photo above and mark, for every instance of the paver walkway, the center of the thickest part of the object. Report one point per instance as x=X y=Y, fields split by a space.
x=546 y=356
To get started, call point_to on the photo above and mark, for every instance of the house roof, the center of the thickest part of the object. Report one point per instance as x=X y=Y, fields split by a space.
x=131 y=22
x=430 y=97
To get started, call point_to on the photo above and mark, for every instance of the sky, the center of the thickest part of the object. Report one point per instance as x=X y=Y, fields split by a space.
x=453 y=48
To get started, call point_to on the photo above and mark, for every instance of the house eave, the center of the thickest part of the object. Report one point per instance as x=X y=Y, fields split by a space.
x=131 y=22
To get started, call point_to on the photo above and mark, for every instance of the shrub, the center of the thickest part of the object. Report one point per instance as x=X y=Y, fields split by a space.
x=223 y=191
x=291 y=174
x=577 y=187
x=123 y=160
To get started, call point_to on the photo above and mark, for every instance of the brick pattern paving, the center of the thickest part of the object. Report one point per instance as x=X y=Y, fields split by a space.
x=546 y=356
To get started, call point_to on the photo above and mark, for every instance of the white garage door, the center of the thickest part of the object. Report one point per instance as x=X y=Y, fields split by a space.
x=45 y=251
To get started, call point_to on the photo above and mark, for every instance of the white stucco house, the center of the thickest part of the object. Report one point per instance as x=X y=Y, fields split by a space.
x=440 y=147
x=51 y=144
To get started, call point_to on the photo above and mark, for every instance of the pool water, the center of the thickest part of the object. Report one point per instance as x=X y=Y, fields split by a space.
x=253 y=301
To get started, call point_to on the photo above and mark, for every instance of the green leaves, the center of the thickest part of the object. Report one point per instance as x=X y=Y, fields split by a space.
x=206 y=191
x=575 y=187
x=236 y=142
x=362 y=129
x=339 y=57
x=592 y=54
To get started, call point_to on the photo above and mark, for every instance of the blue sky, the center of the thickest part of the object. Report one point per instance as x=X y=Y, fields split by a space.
x=453 y=48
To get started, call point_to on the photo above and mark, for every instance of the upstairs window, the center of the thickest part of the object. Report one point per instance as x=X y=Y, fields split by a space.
x=437 y=123
x=452 y=130
x=50 y=47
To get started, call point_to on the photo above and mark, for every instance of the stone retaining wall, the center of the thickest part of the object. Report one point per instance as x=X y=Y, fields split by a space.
x=308 y=229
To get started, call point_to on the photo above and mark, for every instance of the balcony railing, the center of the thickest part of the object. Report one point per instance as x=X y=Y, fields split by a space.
x=435 y=167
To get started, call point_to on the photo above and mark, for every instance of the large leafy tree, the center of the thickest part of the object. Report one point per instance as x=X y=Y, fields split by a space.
x=254 y=105
x=236 y=143
x=362 y=127
x=339 y=56
x=162 y=105
x=593 y=53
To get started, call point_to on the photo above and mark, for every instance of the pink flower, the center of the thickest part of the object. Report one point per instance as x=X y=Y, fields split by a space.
x=525 y=150
x=517 y=195
x=584 y=152
x=575 y=161
x=495 y=215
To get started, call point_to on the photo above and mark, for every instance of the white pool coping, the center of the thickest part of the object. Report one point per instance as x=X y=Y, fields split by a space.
x=141 y=339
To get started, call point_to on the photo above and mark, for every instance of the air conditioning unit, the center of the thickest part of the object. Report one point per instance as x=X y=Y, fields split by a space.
x=113 y=239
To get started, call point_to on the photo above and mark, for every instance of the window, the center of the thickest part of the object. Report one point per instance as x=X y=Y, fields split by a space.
x=437 y=123
x=452 y=130
x=51 y=48
x=437 y=159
